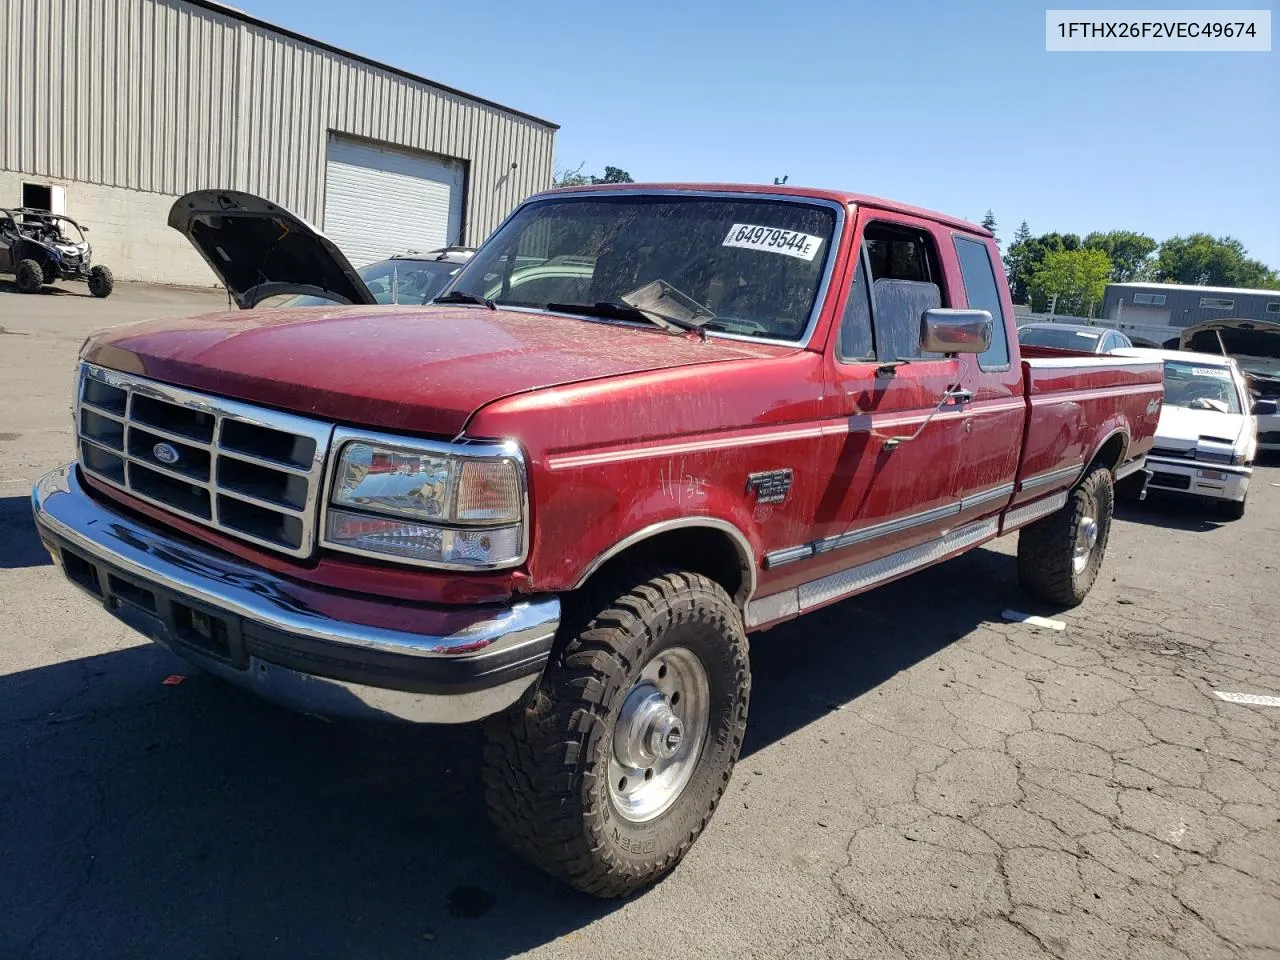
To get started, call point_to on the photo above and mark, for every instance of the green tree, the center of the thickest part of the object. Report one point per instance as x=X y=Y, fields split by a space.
x=1075 y=277
x=1015 y=263
x=1130 y=253
x=570 y=177
x=1024 y=258
x=613 y=175
x=1203 y=260
x=989 y=221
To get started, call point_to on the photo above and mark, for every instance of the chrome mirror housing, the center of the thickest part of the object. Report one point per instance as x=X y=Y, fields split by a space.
x=955 y=331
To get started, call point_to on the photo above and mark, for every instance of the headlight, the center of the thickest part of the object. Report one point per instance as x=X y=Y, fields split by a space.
x=421 y=504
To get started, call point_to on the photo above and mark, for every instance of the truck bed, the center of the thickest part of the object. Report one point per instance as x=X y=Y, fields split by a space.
x=1076 y=404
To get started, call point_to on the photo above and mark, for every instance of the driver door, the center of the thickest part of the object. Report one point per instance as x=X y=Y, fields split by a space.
x=886 y=475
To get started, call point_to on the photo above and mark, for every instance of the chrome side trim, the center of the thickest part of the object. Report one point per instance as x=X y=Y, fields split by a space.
x=866 y=575
x=1052 y=476
x=473 y=450
x=214 y=578
x=1002 y=492
x=1132 y=467
x=878 y=530
x=780 y=558
x=1021 y=516
x=787 y=555
x=746 y=556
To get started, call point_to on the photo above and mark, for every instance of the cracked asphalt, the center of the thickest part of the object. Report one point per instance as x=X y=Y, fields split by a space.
x=921 y=779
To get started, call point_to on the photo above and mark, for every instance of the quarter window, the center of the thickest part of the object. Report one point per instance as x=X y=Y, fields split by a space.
x=1216 y=303
x=982 y=294
x=1149 y=299
x=855 y=326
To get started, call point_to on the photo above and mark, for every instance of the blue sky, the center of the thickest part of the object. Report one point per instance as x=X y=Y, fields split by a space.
x=954 y=106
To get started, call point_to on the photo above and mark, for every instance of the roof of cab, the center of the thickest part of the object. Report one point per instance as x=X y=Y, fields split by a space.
x=813 y=193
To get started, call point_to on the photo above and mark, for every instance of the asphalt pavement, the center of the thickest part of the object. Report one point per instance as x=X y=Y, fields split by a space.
x=921 y=778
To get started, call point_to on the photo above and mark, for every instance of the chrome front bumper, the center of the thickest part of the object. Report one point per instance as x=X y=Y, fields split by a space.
x=317 y=650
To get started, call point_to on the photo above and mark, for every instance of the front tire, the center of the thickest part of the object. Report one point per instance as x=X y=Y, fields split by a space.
x=607 y=776
x=101 y=282
x=1059 y=556
x=29 y=276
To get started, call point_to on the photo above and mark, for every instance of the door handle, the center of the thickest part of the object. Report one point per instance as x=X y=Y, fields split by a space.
x=959 y=396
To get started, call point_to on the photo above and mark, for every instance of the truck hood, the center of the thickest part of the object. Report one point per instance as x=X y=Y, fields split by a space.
x=1183 y=427
x=416 y=369
x=258 y=249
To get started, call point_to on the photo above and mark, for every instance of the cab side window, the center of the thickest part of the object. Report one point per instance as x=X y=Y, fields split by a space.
x=905 y=282
x=982 y=293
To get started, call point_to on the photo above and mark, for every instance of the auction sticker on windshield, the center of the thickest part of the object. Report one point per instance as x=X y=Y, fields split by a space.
x=1217 y=373
x=791 y=243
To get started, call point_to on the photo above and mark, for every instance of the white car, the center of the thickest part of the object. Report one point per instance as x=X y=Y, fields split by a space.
x=1207 y=437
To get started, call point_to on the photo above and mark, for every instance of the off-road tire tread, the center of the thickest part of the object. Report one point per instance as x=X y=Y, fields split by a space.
x=29 y=276
x=1045 y=547
x=101 y=282
x=540 y=797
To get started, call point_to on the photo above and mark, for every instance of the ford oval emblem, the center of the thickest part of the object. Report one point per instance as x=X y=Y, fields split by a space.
x=165 y=453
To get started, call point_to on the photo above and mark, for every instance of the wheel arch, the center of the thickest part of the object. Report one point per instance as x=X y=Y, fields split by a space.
x=719 y=549
x=1111 y=449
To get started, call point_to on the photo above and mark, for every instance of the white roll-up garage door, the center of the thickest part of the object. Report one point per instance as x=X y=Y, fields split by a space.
x=382 y=200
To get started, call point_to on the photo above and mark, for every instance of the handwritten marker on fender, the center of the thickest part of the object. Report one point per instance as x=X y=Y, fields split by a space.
x=1014 y=616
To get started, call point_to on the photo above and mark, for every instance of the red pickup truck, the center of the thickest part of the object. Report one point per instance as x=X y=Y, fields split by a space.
x=639 y=424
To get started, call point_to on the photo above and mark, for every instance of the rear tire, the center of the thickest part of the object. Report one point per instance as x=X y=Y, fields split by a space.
x=101 y=282
x=1059 y=556
x=1232 y=509
x=30 y=276
x=578 y=780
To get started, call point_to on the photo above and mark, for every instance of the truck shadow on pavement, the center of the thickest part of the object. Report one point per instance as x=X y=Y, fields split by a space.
x=1186 y=514
x=19 y=543
x=140 y=818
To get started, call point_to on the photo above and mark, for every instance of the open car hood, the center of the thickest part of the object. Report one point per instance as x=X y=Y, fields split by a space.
x=259 y=249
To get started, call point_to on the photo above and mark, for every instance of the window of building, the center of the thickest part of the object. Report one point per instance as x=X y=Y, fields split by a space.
x=982 y=293
x=37 y=196
x=1149 y=299
x=1273 y=308
x=905 y=275
x=1216 y=303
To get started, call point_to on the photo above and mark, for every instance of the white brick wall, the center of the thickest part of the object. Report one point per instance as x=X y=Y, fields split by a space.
x=128 y=230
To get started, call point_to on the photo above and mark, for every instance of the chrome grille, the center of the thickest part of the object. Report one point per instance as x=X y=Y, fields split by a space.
x=252 y=473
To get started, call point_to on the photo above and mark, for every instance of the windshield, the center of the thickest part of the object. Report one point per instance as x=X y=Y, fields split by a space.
x=395 y=281
x=1187 y=384
x=1060 y=338
x=751 y=267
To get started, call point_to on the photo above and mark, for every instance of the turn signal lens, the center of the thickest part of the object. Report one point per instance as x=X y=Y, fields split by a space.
x=488 y=492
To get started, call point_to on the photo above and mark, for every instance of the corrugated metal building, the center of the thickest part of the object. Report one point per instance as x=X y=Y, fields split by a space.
x=110 y=109
x=1178 y=305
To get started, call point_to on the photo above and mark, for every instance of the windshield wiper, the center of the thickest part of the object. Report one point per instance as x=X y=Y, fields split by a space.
x=457 y=296
x=618 y=310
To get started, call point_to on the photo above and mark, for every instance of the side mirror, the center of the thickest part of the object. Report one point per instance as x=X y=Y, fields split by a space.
x=1264 y=408
x=955 y=331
